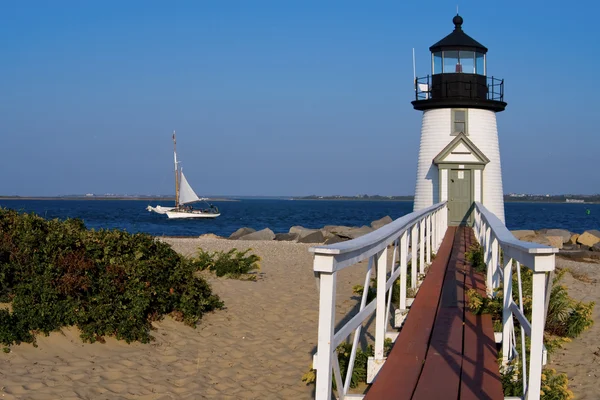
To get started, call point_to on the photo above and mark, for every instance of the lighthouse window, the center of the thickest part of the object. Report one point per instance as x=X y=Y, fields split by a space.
x=459 y=121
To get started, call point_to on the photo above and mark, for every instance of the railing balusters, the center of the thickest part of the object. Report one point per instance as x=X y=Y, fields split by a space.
x=403 y=266
x=495 y=238
x=422 y=246
x=380 y=316
x=523 y=352
x=506 y=312
x=413 y=258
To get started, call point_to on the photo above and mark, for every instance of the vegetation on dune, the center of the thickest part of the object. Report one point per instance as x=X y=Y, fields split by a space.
x=232 y=264
x=566 y=319
x=107 y=283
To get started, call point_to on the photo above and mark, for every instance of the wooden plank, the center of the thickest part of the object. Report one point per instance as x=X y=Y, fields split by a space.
x=441 y=374
x=480 y=377
x=400 y=373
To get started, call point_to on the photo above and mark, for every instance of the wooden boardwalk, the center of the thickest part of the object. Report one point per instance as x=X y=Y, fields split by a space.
x=443 y=350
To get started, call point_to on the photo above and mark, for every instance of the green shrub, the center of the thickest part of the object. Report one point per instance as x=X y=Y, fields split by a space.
x=555 y=386
x=475 y=257
x=57 y=273
x=359 y=373
x=232 y=264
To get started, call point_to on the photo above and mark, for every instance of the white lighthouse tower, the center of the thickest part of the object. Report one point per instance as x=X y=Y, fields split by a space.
x=459 y=156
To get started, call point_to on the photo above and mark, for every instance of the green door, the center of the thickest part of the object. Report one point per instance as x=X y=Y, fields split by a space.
x=460 y=197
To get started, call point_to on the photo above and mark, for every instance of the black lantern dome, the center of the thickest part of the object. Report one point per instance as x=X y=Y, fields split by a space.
x=459 y=75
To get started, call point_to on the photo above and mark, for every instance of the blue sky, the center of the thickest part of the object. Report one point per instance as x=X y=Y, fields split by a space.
x=279 y=97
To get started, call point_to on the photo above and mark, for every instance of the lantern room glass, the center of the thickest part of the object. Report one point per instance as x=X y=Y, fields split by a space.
x=437 y=62
x=480 y=63
x=458 y=61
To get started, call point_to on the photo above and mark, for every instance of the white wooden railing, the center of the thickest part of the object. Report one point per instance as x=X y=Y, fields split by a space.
x=497 y=242
x=424 y=230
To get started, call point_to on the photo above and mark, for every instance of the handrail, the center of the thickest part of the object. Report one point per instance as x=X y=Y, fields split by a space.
x=500 y=249
x=425 y=228
x=359 y=249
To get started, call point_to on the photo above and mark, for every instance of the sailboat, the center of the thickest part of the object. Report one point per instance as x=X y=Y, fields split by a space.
x=185 y=197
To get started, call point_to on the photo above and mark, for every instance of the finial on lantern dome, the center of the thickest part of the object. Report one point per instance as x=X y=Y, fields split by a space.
x=458 y=21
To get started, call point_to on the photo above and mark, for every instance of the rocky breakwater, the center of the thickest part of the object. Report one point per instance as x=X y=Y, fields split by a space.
x=328 y=234
x=586 y=243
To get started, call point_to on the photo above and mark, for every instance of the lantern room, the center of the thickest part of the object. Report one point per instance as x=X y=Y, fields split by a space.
x=459 y=75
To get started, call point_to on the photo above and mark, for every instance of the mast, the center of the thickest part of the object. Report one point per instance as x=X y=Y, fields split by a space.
x=176 y=171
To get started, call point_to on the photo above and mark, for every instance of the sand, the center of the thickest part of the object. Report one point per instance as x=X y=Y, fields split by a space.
x=580 y=359
x=257 y=348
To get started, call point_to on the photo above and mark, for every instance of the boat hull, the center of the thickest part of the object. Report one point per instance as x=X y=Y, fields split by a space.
x=190 y=215
x=159 y=209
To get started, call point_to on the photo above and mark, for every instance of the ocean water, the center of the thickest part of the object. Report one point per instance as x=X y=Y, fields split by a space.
x=280 y=215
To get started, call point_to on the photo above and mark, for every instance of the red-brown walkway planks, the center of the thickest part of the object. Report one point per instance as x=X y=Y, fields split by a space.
x=443 y=351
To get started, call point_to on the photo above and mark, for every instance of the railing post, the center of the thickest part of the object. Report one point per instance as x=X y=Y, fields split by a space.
x=403 y=267
x=422 y=246
x=381 y=313
x=495 y=264
x=325 y=350
x=537 y=335
x=429 y=239
x=488 y=258
x=413 y=257
x=506 y=312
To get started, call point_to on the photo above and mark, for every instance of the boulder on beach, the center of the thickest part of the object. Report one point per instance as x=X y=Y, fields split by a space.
x=302 y=231
x=286 y=237
x=334 y=239
x=265 y=234
x=211 y=236
x=520 y=234
x=563 y=233
x=555 y=241
x=348 y=232
x=574 y=238
x=241 y=232
x=381 y=222
x=589 y=238
x=315 y=237
x=595 y=247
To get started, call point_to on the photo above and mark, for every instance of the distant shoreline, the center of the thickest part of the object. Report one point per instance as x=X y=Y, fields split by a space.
x=71 y=198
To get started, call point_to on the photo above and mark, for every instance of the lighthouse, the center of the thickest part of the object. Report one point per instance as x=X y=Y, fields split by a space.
x=459 y=155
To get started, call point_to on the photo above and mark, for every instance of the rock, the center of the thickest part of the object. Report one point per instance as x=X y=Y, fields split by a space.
x=541 y=239
x=286 y=237
x=334 y=239
x=348 y=232
x=211 y=236
x=589 y=238
x=265 y=234
x=522 y=233
x=574 y=238
x=327 y=234
x=381 y=222
x=563 y=233
x=596 y=247
x=241 y=232
x=555 y=241
x=302 y=231
x=315 y=237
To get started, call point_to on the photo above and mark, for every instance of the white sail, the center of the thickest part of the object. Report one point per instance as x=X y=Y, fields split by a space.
x=186 y=193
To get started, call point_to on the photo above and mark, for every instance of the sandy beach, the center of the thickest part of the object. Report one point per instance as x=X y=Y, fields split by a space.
x=257 y=348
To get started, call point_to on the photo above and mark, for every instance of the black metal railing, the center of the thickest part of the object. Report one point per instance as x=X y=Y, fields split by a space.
x=459 y=86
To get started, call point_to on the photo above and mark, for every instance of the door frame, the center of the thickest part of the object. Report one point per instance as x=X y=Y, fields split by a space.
x=470 y=219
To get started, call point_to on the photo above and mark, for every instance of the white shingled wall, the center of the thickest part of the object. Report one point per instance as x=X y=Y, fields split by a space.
x=435 y=135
